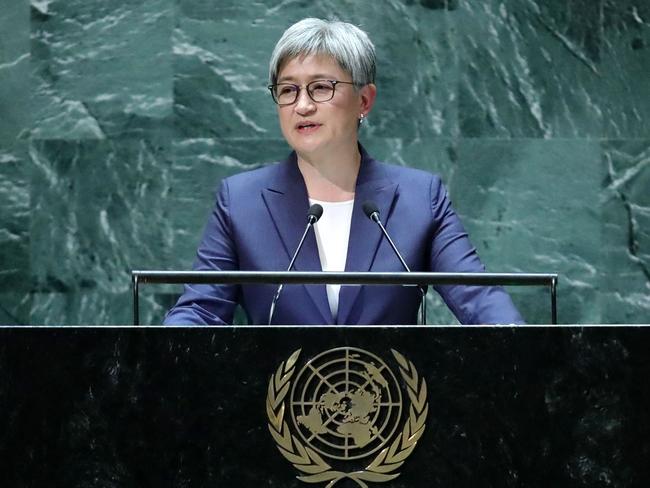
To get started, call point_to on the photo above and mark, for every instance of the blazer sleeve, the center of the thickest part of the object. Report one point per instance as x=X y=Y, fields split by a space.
x=452 y=251
x=211 y=304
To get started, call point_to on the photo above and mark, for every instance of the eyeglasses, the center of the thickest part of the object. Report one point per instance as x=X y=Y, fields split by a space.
x=318 y=91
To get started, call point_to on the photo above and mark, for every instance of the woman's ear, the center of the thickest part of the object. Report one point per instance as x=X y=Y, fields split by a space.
x=368 y=94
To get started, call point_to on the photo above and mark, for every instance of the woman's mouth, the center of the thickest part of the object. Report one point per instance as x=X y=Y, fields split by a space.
x=307 y=127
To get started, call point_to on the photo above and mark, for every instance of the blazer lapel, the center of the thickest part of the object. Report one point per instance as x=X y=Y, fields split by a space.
x=287 y=202
x=365 y=235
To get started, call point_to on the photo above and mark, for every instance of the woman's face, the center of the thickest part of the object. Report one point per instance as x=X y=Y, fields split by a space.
x=318 y=129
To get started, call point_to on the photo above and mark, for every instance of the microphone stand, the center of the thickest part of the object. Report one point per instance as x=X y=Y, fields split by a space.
x=373 y=213
x=315 y=212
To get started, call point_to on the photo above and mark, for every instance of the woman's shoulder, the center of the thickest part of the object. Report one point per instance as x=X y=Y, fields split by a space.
x=260 y=176
x=407 y=174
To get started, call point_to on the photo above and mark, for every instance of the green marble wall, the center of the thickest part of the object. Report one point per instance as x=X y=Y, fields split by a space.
x=118 y=118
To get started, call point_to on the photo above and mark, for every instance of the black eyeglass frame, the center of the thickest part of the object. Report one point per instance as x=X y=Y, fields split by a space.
x=306 y=86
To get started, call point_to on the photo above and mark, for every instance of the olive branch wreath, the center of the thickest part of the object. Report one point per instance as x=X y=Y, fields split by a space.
x=314 y=467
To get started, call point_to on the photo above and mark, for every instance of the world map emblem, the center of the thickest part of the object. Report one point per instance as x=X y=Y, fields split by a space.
x=343 y=415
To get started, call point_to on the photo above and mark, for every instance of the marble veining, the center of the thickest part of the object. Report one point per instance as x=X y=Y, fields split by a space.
x=119 y=119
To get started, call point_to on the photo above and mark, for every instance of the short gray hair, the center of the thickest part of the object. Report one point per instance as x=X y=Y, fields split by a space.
x=346 y=43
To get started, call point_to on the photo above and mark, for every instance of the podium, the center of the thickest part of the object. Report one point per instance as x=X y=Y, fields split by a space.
x=174 y=406
x=421 y=279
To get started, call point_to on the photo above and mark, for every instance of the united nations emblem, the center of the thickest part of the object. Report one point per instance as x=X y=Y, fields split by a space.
x=342 y=415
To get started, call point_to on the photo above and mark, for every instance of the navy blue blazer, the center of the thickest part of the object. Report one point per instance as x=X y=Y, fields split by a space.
x=260 y=216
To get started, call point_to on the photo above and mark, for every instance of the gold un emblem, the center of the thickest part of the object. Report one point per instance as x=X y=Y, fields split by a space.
x=342 y=416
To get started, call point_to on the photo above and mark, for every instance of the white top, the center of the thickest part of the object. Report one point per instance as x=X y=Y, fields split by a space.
x=332 y=235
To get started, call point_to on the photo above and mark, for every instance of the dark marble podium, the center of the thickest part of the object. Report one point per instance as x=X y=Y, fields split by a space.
x=185 y=407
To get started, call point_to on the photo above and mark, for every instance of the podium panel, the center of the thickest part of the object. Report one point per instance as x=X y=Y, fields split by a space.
x=263 y=406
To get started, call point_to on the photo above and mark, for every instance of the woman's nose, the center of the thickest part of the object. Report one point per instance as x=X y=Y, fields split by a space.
x=304 y=104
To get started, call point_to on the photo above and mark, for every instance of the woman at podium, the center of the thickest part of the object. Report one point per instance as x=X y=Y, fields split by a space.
x=322 y=80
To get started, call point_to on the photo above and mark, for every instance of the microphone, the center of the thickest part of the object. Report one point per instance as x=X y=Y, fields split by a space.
x=372 y=212
x=313 y=214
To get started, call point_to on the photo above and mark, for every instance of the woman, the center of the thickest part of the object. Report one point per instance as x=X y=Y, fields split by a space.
x=322 y=77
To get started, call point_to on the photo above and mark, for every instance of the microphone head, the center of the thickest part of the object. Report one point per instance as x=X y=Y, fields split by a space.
x=315 y=212
x=370 y=208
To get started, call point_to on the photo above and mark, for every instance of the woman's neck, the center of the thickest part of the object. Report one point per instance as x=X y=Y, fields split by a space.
x=331 y=179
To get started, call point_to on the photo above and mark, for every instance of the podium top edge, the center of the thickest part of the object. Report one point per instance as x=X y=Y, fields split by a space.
x=347 y=278
x=231 y=327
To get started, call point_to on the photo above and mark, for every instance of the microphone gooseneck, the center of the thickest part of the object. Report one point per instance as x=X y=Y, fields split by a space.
x=372 y=212
x=313 y=215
